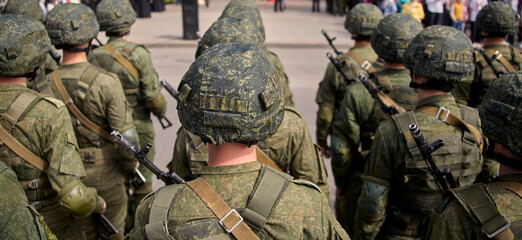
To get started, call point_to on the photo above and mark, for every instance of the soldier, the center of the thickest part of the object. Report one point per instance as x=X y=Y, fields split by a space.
x=38 y=142
x=133 y=65
x=359 y=115
x=360 y=22
x=398 y=193
x=19 y=219
x=97 y=105
x=214 y=107
x=499 y=215
x=495 y=21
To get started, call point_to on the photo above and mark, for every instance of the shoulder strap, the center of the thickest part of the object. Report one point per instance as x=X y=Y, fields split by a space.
x=387 y=100
x=403 y=121
x=75 y=111
x=22 y=151
x=477 y=201
x=159 y=213
x=271 y=185
x=19 y=106
x=512 y=186
x=229 y=218
x=497 y=55
x=367 y=66
x=120 y=59
x=446 y=116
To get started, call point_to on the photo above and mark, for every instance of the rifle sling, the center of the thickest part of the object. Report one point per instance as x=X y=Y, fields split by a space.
x=364 y=64
x=387 y=100
x=22 y=151
x=445 y=115
x=120 y=59
x=229 y=218
x=75 y=111
x=501 y=58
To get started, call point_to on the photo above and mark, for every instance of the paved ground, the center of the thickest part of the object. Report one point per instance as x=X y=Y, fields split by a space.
x=294 y=35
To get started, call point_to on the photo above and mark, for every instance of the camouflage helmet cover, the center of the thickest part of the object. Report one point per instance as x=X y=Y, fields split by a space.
x=363 y=19
x=23 y=44
x=28 y=8
x=501 y=112
x=231 y=93
x=393 y=35
x=441 y=53
x=230 y=30
x=498 y=17
x=71 y=24
x=245 y=9
x=115 y=15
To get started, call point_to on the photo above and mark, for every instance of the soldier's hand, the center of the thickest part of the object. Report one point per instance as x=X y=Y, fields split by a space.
x=137 y=165
x=326 y=152
x=339 y=193
x=102 y=210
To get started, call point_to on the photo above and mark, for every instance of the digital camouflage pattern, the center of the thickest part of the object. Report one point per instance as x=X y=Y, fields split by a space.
x=393 y=35
x=231 y=93
x=115 y=15
x=245 y=9
x=333 y=86
x=71 y=24
x=19 y=219
x=21 y=48
x=455 y=223
x=448 y=58
x=363 y=19
x=28 y=8
x=291 y=148
x=354 y=125
x=301 y=213
x=45 y=130
x=498 y=17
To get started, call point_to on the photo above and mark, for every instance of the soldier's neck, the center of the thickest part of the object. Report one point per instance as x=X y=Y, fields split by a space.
x=393 y=65
x=493 y=41
x=73 y=57
x=4 y=80
x=230 y=154
x=362 y=43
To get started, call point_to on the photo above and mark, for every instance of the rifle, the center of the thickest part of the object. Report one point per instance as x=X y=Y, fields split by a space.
x=339 y=68
x=490 y=62
x=137 y=179
x=391 y=108
x=107 y=227
x=330 y=42
x=443 y=178
x=170 y=89
x=141 y=155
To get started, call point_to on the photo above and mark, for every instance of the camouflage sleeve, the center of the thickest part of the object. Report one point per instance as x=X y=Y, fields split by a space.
x=283 y=78
x=452 y=223
x=461 y=92
x=180 y=157
x=141 y=219
x=118 y=111
x=149 y=83
x=356 y=108
x=326 y=100
x=331 y=228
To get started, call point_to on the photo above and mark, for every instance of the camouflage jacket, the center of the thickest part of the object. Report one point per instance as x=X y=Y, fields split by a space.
x=359 y=116
x=19 y=220
x=455 y=223
x=291 y=148
x=471 y=93
x=302 y=212
x=144 y=94
x=283 y=78
x=412 y=192
x=332 y=87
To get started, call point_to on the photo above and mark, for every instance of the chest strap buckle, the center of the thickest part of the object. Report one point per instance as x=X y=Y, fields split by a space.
x=366 y=65
x=443 y=110
x=225 y=217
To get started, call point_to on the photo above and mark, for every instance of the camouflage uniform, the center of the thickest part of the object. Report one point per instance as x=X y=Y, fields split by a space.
x=458 y=219
x=143 y=93
x=398 y=193
x=291 y=148
x=43 y=127
x=361 y=20
x=20 y=220
x=300 y=210
x=100 y=97
x=496 y=19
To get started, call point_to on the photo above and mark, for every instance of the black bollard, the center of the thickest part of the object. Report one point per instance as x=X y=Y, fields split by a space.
x=190 y=19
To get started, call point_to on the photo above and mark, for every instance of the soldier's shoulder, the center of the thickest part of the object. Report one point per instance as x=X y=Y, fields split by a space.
x=44 y=102
x=103 y=76
x=291 y=111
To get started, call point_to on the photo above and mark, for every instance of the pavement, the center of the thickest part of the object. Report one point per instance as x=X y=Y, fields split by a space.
x=295 y=35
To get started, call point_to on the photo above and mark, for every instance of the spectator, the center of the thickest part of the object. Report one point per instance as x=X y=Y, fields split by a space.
x=388 y=7
x=400 y=3
x=435 y=12
x=457 y=15
x=474 y=8
x=414 y=9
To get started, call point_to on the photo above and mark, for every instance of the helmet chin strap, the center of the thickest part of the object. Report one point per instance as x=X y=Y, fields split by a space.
x=30 y=75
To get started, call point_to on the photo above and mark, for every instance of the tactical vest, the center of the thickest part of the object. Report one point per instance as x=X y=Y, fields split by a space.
x=268 y=189
x=129 y=81
x=416 y=195
x=35 y=183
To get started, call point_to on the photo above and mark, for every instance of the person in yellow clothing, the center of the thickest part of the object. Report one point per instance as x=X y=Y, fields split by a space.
x=414 y=9
x=457 y=15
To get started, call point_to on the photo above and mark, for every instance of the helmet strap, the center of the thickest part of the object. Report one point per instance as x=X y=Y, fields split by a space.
x=73 y=48
x=117 y=34
x=30 y=75
x=433 y=85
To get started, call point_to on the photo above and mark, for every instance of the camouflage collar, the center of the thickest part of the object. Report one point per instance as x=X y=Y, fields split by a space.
x=443 y=100
x=10 y=87
x=117 y=40
x=220 y=170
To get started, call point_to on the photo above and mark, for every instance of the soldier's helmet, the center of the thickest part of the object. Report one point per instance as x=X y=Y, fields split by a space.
x=28 y=8
x=363 y=19
x=245 y=9
x=498 y=18
x=501 y=112
x=231 y=93
x=115 y=15
x=71 y=24
x=23 y=44
x=230 y=30
x=393 y=35
x=440 y=53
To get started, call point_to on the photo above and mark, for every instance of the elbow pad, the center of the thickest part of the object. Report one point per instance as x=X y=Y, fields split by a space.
x=78 y=199
x=374 y=196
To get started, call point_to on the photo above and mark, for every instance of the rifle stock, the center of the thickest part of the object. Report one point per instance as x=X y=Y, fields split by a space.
x=109 y=229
